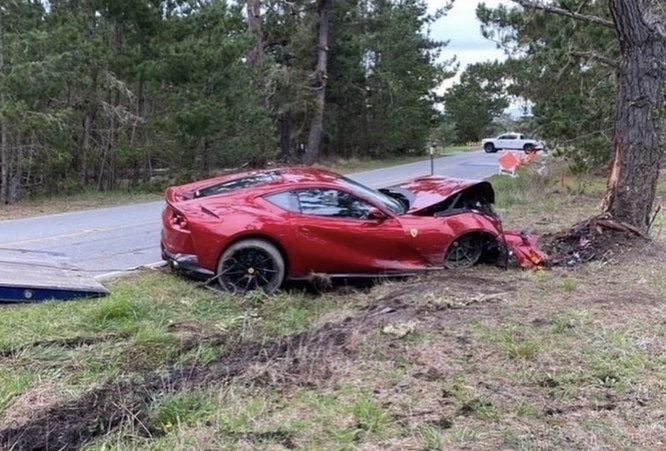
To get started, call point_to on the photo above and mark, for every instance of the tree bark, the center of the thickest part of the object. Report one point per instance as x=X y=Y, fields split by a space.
x=15 y=172
x=86 y=146
x=139 y=124
x=317 y=124
x=253 y=8
x=285 y=137
x=638 y=134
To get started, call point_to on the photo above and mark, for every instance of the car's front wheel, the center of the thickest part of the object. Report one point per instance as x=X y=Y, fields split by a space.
x=251 y=265
x=529 y=148
x=489 y=148
x=464 y=252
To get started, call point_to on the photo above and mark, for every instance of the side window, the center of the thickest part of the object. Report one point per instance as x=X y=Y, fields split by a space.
x=510 y=137
x=503 y=137
x=287 y=201
x=332 y=203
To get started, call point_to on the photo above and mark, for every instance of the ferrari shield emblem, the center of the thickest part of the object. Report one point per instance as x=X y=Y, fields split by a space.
x=413 y=233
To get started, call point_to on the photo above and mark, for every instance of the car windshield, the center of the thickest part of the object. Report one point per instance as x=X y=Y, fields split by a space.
x=388 y=202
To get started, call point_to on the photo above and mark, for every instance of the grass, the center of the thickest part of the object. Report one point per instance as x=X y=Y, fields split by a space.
x=477 y=359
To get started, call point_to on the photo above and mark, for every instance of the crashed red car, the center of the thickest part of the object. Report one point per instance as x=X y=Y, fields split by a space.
x=256 y=229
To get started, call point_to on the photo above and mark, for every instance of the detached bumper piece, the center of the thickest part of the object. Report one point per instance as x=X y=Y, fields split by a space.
x=186 y=264
x=524 y=248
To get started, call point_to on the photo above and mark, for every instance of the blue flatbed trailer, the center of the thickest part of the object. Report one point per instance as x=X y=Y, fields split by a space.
x=36 y=276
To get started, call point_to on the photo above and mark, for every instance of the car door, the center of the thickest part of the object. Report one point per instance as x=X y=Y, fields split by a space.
x=334 y=233
x=510 y=141
x=502 y=142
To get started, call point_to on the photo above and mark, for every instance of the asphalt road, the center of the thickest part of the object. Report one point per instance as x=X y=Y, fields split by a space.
x=109 y=241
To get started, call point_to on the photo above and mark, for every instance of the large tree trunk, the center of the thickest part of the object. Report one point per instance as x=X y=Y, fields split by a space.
x=253 y=7
x=285 y=137
x=317 y=124
x=15 y=172
x=139 y=124
x=85 y=146
x=638 y=136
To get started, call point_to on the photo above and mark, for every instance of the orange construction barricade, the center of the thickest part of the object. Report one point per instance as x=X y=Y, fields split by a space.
x=508 y=163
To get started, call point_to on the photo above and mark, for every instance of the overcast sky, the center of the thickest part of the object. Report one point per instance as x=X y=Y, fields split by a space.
x=463 y=31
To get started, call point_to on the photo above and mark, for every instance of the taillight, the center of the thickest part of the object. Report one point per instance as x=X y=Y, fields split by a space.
x=178 y=220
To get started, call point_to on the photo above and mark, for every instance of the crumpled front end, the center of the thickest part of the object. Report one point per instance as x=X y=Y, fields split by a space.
x=523 y=248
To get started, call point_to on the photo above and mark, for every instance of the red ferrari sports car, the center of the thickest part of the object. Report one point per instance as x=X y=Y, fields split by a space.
x=256 y=229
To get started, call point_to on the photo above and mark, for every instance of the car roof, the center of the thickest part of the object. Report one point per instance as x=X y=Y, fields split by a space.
x=263 y=180
x=306 y=174
x=288 y=175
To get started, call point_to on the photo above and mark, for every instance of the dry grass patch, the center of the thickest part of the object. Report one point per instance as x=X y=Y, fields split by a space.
x=69 y=204
x=22 y=409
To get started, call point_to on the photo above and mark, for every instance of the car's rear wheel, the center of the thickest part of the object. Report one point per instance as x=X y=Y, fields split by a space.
x=489 y=148
x=251 y=265
x=464 y=252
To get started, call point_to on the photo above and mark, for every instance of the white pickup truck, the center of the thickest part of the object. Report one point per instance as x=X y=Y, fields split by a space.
x=512 y=141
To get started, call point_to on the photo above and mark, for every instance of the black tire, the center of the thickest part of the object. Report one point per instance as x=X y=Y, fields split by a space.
x=251 y=265
x=464 y=252
x=489 y=148
x=529 y=148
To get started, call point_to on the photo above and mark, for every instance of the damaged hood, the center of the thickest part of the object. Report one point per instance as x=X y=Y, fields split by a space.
x=424 y=192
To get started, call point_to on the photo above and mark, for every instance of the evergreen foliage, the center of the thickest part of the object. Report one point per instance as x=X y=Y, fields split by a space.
x=573 y=95
x=135 y=94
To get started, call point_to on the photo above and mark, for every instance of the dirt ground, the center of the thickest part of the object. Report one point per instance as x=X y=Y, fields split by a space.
x=595 y=239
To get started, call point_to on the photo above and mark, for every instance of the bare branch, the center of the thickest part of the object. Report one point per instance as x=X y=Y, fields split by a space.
x=562 y=71
x=605 y=60
x=582 y=5
x=567 y=13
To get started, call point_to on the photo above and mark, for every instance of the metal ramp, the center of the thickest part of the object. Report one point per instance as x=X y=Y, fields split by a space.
x=36 y=276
